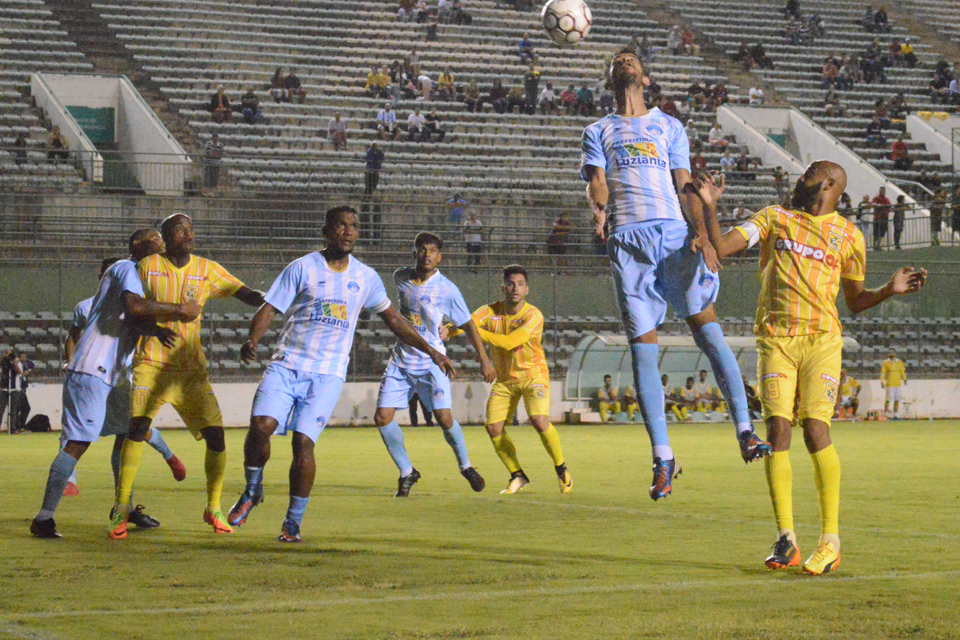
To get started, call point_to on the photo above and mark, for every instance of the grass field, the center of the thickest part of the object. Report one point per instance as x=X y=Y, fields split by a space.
x=602 y=562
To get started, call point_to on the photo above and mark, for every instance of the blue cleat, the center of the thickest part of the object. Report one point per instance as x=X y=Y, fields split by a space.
x=664 y=471
x=243 y=507
x=290 y=531
x=752 y=447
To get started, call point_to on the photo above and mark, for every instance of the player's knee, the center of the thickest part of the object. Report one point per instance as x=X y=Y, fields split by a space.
x=75 y=448
x=540 y=423
x=118 y=442
x=213 y=436
x=383 y=417
x=138 y=429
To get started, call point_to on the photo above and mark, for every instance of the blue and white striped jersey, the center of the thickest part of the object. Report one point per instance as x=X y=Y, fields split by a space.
x=322 y=307
x=105 y=348
x=425 y=304
x=638 y=156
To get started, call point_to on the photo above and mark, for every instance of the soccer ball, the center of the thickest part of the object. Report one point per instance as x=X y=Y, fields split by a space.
x=566 y=21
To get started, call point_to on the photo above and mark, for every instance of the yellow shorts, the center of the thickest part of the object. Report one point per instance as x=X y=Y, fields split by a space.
x=505 y=396
x=189 y=392
x=798 y=376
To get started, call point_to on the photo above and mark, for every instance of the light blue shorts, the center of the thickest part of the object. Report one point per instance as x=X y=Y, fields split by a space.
x=398 y=386
x=92 y=408
x=652 y=266
x=297 y=400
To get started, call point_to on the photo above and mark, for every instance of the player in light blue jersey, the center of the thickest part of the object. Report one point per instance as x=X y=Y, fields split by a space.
x=117 y=423
x=97 y=387
x=636 y=162
x=425 y=297
x=322 y=295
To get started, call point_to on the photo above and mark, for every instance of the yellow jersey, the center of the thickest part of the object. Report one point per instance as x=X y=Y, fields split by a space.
x=515 y=350
x=802 y=259
x=200 y=279
x=893 y=373
x=849 y=387
x=611 y=395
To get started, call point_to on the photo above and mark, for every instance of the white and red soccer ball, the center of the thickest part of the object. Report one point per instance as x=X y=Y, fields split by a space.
x=566 y=21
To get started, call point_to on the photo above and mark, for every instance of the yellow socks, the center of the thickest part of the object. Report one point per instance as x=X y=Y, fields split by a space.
x=215 y=464
x=826 y=468
x=551 y=442
x=130 y=457
x=504 y=447
x=780 y=481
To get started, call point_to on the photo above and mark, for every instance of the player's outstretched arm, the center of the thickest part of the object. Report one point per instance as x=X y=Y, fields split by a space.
x=258 y=326
x=598 y=194
x=249 y=296
x=486 y=367
x=408 y=335
x=905 y=280
x=140 y=307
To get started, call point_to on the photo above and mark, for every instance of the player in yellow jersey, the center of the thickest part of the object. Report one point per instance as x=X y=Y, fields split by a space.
x=513 y=329
x=178 y=375
x=807 y=253
x=849 y=397
x=893 y=375
x=608 y=399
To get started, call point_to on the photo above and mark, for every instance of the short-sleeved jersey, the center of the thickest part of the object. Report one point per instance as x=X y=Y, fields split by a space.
x=425 y=304
x=322 y=307
x=638 y=156
x=105 y=348
x=200 y=279
x=849 y=387
x=802 y=259
x=608 y=396
x=689 y=394
x=893 y=372
x=81 y=312
x=527 y=361
x=703 y=388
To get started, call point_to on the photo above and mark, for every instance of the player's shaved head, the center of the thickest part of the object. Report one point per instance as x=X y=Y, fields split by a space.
x=166 y=227
x=819 y=189
x=137 y=237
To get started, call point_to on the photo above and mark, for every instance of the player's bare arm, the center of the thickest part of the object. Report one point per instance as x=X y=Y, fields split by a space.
x=70 y=346
x=692 y=208
x=135 y=305
x=148 y=327
x=408 y=335
x=905 y=280
x=598 y=194
x=258 y=327
x=709 y=191
x=486 y=367
x=249 y=296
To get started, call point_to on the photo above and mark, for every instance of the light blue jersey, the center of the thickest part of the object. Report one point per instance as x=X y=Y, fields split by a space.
x=81 y=312
x=638 y=156
x=424 y=305
x=322 y=307
x=105 y=348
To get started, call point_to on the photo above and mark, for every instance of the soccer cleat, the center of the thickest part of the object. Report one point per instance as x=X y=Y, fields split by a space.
x=141 y=520
x=215 y=520
x=477 y=483
x=752 y=447
x=405 y=483
x=290 y=531
x=71 y=490
x=664 y=471
x=518 y=480
x=44 y=529
x=179 y=471
x=566 y=480
x=824 y=560
x=239 y=511
x=118 y=525
x=785 y=554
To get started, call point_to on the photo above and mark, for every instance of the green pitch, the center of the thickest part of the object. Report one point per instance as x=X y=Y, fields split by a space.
x=603 y=562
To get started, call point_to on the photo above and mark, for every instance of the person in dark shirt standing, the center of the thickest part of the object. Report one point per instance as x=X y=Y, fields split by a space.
x=9 y=388
x=881 y=218
x=370 y=211
x=374 y=165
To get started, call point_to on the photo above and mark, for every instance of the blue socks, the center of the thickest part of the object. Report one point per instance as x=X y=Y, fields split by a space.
x=298 y=506
x=393 y=439
x=60 y=470
x=254 y=476
x=454 y=438
x=157 y=442
x=646 y=377
x=726 y=370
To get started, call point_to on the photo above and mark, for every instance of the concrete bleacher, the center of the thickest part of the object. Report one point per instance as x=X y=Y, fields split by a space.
x=944 y=17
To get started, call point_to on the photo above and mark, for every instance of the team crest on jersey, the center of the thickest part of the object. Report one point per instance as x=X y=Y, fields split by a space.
x=540 y=391
x=353 y=286
x=321 y=422
x=438 y=393
x=425 y=300
x=655 y=128
x=516 y=323
x=191 y=292
x=835 y=239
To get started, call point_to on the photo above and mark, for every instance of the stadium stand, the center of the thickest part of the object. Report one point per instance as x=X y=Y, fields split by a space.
x=942 y=16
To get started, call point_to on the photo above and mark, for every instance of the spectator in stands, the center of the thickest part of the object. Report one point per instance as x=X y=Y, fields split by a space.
x=697 y=164
x=727 y=163
x=250 y=107
x=720 y=93
x=411 y=63
x=894 y=56
x=675 y=41
x=907 y=54
x=606 y=102
x=669 y=107
x=557 y=238
x=929 y=180
x=744 y=162
x=295 y=90
x=212 y=159
x=792 y=31
x=937 y=207
x=864 y=216
x=471 y=97
x=900 y=154
x=845 y=206
x=377 y=83
x=455 y=208
x=220 y=106
x=815 y=25
x=743 y=57
x=831 y=103
x=849 y=74
x=373 y=168
x=899 y=218
x=716 y=137
x=497 y=97
x=689 y=40
x=20 y=150
x=568 y=100
x=459 y=15
x=756 y=96
x=780 y=179
x=431 y=33
x=432 y=129
x=881 y=218
x=547 y=100
x=515 y=99
x=829 y=73
x=741 y=212
x=759 y=55
x=792 y=10
x=880 y=111
x=899 y=108
x=526 y=50
x=473 y=237
x=953 y=91
x=387 y=123
x=881 y=23
x=277 y=89
x=653 y=92
x=337 y=132
x=875 y=134
x=446 y=85
x=405 y=14
x=416 y=131
x=531 y=88
x=445 y=11
x=426 y=86
x=585 y=106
